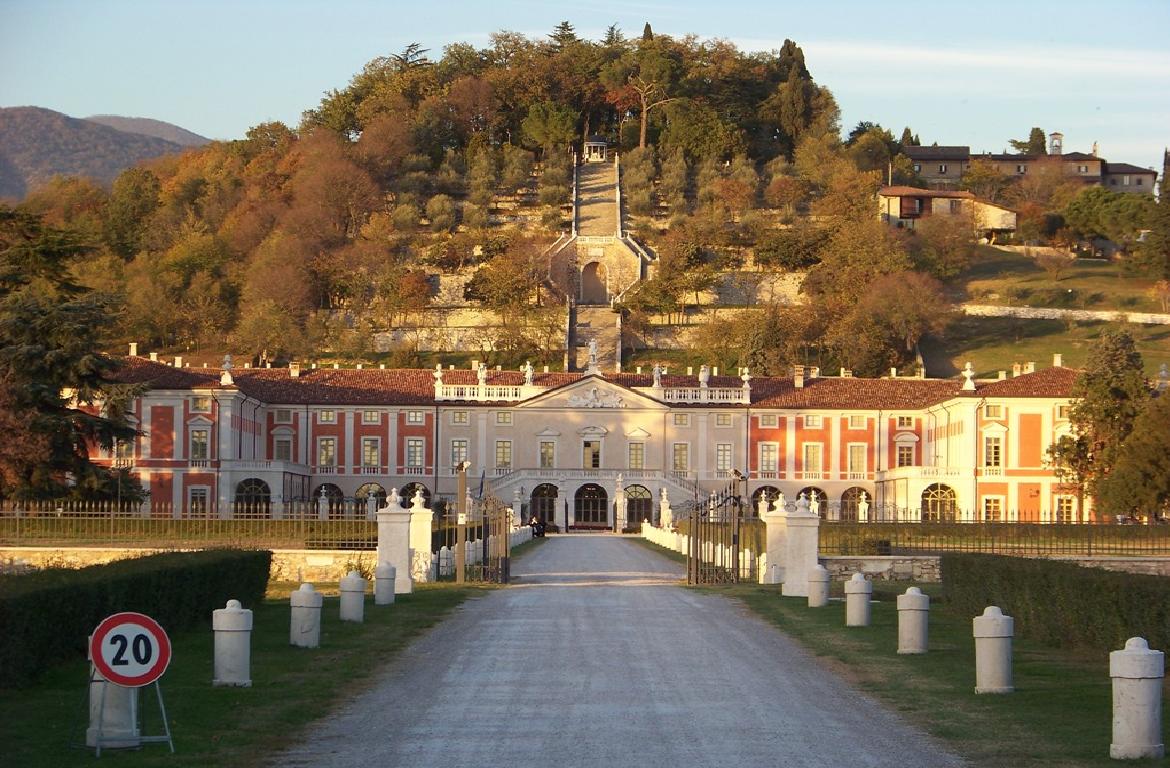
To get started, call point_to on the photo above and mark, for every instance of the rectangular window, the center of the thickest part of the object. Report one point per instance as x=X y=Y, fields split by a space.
x=458 y=452
x=812 y=458
x=503 y=454
x=458 y=417
x=198 y=445
x=1021 y=169
x=201 y=404
x=414 y=451
x=993 y=411
x=283 y=416
x=723 y=457
x=956 y=206
x=326 y=451
x=1063 y=411
x=1082 y=169
x=548 y=454
x=769 y=420
x=857 y=422
x=503 y=418
x=637 y=456
x=197 y=502
x=917 y=167
x=1065 y=511
x=282 y=449
x=905 y=456
x=1138 y=181
x=415 y=417
x=769 y=457
x=680 y=457
x=371 y=452
x=1125 y=181
x=905 y=422
x=858 y=463
x=371 y=417
x=327 y=417
x=992 y=451
x=812 y=422
x=942 y=168
x=681 y=419
x=723 y=419
x=124 y=449
x=591 y=454
x=992 y=509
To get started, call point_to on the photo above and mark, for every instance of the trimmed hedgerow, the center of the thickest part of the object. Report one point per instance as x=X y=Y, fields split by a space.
x=47 y=616
x=1061 y=604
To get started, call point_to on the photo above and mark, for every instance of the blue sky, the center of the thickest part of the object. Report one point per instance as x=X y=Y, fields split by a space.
x=956 y=73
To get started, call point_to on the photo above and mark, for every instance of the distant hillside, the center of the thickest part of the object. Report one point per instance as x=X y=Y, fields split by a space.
x=37 y=144
x=156 y=128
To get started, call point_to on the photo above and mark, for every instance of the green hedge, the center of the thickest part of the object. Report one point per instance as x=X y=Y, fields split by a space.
x=1059 y=603
x=48 y=615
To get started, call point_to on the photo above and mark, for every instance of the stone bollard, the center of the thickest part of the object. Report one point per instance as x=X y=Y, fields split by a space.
x=913 y=621
x=1137 y=701
x=353 y=597
x=857 y=593
x=115 y=710
x=305 y=626
x=818 y=586
x=233 y=645
x=993 y=651
x=384 y=576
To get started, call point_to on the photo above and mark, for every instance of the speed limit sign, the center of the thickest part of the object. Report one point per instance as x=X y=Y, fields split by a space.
x=130 y=649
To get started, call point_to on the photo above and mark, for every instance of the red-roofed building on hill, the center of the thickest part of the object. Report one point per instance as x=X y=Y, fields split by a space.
x=255 y=441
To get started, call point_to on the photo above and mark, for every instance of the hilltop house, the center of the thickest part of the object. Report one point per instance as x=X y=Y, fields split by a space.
x=903 y=206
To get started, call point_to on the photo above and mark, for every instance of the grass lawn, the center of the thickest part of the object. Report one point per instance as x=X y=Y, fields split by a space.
x=44 y=726
x=994 y=343
x=1060 y=714
x=1009 y=278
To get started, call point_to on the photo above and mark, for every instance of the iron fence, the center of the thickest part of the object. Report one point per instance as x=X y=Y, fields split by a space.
x=1033 y=539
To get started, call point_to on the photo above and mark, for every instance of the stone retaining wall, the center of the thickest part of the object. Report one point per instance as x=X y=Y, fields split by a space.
x=883 y=567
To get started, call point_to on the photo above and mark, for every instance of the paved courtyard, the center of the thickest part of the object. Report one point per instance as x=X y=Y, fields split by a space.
x=596 y=657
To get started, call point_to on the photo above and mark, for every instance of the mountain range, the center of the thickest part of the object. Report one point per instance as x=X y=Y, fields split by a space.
x=37 y=144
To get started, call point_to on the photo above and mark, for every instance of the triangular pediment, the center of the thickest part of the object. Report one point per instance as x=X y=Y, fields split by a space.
x=638 y=434
x=548 y=432
x=593 y=393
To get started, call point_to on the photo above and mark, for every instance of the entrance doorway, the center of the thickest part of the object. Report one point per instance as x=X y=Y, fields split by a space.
x=593 y=279
x=591 y=506
x=543 y=503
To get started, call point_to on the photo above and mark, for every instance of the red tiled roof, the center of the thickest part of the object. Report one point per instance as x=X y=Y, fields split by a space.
x=139 y=370
x=1046 y=382
x=851 y=393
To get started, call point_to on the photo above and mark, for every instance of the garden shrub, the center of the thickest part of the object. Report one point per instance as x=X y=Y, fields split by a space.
x=48 y=615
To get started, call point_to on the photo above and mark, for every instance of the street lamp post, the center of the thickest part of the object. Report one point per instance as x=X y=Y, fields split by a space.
x=461 y=523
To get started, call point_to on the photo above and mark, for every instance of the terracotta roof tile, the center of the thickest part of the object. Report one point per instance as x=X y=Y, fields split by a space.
x=1046 y=382
x=852 y=393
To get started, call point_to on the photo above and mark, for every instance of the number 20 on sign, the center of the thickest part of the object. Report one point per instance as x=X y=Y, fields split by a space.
x=130 y=649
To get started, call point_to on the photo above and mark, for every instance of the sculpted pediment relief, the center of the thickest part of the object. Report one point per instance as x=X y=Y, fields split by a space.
x=593 y=392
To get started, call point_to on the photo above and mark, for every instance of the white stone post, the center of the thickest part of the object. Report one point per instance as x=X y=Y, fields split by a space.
x=993 y=651
x=304 y=628
x=384 y=584
x=818 y=586
x=800 y=551
x=232 y=627
x=394 y=542
x=322 y=506
x=420 y=539
x=665 y=513
x=371 y=507
x=619 y=505
x=353 y=597
x=913 y=621
x=857 y=593
x=776 y=536
x=1137 y=674
x=117 y=712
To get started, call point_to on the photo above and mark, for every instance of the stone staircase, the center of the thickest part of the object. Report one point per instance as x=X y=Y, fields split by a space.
x=599 y=324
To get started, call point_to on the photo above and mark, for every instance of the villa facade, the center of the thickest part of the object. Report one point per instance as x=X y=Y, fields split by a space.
x=563 y=444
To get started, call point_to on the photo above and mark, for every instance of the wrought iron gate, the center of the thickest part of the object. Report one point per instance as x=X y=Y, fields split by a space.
x=474 y=546
x=719 y=551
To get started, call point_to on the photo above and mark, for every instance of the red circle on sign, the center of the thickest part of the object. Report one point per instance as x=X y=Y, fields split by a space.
x=130 y=649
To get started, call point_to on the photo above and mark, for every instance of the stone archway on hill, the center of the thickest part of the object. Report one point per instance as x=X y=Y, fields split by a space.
x=593 y=284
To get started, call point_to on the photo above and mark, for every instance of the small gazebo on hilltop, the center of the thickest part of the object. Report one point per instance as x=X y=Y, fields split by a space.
x=596 y=149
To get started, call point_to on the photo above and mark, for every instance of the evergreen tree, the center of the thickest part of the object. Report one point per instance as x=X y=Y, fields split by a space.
x=51 y=371
x=647 y=33
x=563 y=35
x=1035 y=144
x=1140 y=481
x=1108 y=395
x=908 y=139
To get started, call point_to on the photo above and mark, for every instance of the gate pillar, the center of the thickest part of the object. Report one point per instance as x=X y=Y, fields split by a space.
x=394 y=542
x=420 y=538
x=800 y=553
x=776 y=530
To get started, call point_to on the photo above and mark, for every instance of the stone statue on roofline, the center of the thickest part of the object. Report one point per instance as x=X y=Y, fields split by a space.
x=528 y=372
x=704 y=375
x=438 y=373
x=657 y=376
x=481 y=374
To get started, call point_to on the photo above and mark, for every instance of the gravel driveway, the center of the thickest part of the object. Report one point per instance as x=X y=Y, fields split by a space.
x=596 y=657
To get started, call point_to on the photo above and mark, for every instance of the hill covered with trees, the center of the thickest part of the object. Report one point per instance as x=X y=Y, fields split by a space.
x=148 y=127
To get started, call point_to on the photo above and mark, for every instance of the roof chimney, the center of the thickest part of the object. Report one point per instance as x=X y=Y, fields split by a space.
x=846 y=373
x=893 y=373
x=1002 y=375
x=154 y=357
x=1057 y=360
x=1094 y=149
x=294 y=370
x=475 y=365
x=1030 y=367
x=134 y=349
x=814 y=371
x=1016 y=368
x=359 y=366
x=798 y=376
x=690 y=371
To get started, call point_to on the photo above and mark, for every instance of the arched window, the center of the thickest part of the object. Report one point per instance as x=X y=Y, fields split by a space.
x=939 y=504
x=818 y=500
x=365 y=491
x=406 y=495
x=770 y=492
x=335 y=497
x=640 y=505
x=591 y=505
x=851 y=499
x=543 y=503
x=253 y=498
